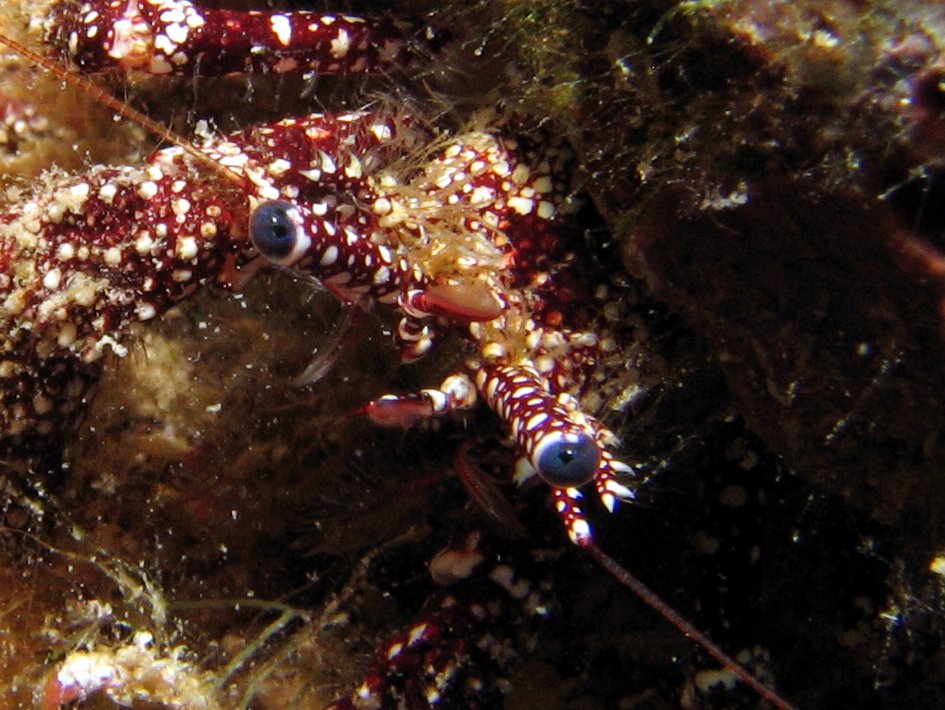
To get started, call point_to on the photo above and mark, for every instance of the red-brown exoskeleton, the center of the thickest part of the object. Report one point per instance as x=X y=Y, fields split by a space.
x=472 y=233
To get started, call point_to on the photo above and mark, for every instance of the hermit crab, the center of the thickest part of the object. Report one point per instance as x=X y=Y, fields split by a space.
x=464 y=229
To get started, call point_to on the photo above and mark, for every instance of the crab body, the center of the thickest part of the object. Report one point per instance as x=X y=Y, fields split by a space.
x=472 y=235
x=466 y=229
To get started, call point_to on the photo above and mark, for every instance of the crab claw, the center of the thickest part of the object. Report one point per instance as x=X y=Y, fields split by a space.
x=473 y=302
x=397 y=411
x=456 y=392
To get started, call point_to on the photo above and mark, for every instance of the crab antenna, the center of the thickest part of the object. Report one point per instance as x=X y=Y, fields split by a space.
x=622 y=575
x=122 y=109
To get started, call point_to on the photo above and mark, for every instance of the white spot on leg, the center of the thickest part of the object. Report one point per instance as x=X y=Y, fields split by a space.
x=145 y=311
x=330 y=256
x=382 y=132
x=187 y=248
x=147 y=190
x=340 y=45
x=107 y=192
x=579 y=531
x=278 y=167
x=282 y=29
x=52 y=279
x=381 y=276
x=354 y=169
x=522 y=205
x=177 y=33
x=181 y=207
x=144 y=243
x=546 y=210
x=416 y=634
x=112 y=256
x=328 y=164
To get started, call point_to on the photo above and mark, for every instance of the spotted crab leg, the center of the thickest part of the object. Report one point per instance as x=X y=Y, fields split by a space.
x=85 y=258
x=467 y=637
x=181 y=37
x=94 y=253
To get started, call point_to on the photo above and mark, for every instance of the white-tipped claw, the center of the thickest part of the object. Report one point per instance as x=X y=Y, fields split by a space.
x=620 y=466
x=619 y=490
x=609 y=502
x=524 y=471
x=580 y=532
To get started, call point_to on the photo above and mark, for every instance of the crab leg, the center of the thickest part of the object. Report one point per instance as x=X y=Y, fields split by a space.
x=94 y=253
x=181 y=37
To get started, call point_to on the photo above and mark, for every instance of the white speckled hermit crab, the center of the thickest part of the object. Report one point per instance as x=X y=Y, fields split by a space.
x=475 y=236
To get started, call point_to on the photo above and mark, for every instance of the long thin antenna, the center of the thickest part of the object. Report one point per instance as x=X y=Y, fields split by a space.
x=121 y=108
x=622 y=575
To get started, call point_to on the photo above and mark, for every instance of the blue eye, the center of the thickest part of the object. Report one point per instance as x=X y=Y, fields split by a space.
x=567 y=461
x=274 y=231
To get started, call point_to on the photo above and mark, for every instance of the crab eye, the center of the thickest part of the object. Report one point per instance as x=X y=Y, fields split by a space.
x=275 y=229
x=567 y=460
